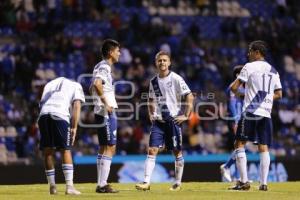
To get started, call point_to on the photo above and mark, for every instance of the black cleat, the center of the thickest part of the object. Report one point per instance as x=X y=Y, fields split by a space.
x=240 y=186
x=263 y=188
x=105 y=189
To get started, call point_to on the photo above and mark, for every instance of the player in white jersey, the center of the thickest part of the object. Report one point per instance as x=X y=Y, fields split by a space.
x=60 y=97
x=104 y=108
x=263 y=85
x=166 y=91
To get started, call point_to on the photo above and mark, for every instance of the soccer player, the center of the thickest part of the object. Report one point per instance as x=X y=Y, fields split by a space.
x=104 y=108
x=58 y=132
x=262 y=87
x=234 y=106
x=165 y=93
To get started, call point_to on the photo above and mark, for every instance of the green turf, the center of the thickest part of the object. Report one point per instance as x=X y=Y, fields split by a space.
x=202 y=190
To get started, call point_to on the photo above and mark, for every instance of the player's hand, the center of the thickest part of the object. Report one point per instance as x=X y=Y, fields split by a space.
x=179 y=119
x=235 y=128
x=73 y=134
x=109 y=109
x=151 y=118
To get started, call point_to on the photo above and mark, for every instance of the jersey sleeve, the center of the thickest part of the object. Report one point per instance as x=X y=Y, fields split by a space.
x=78 y=94
x=101 y=73
x=244 y=74
x=151 y=91
x=183 y=88
x=277 y=83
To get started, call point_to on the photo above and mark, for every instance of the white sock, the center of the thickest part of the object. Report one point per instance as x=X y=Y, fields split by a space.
x=179 y=164
x=264 y=167
x=99 y=168
x=50 y=176
x=149 y=166
x=68 y=172
x=105 y=163
x=241 y=163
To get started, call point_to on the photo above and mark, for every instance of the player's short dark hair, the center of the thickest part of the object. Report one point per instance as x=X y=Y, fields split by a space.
x=162 y=53
x=237 y=69
x=260 y=46
x=107 y=46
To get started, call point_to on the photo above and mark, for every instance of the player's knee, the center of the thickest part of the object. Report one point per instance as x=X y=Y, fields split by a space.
x=263 y=148
x=152 y=151
x=111 y=149
x=239 y=144
x=177 y=153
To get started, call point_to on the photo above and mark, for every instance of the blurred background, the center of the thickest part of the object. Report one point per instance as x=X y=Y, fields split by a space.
x=44 y=39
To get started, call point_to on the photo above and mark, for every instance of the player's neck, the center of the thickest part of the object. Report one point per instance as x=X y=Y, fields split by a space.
x=163 y=74
x=109 y=61
x=260 y=59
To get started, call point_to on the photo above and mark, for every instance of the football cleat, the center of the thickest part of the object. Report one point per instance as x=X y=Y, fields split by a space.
x=263 y=188
x=175 y=187
x=70 y=190
x=106 y=189
x=52 y=189
x=225 y=172
x=143 y=186
x=240 y=186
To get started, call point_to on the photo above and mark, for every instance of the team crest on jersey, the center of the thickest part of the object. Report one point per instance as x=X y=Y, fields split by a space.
x=169 y=84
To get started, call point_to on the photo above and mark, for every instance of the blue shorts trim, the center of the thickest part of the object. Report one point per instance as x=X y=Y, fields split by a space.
x=107 y=132
x=255 y=128
x=54 y=132
x=166 y=133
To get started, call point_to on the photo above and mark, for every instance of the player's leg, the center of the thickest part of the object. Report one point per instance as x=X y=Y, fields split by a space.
x=179 y=166
x=49 y=169
x=149 y=167
x=174 y=142
x=46 y=145
x=225 y=168
x=107 y=136
x=68 y=170
x=241 y=160
x=99 y=156
x=62 y=140
x=246 y=128
x=264 y=166
x=264 y=137
x=156 y=140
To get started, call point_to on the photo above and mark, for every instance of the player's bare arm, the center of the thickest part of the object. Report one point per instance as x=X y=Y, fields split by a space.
x=98 y=85
x=151 y=108
x=235 y=85
x=188 y=109
x=277 y=94
x=76 y=107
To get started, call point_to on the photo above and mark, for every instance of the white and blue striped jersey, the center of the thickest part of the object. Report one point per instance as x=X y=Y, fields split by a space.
x=166 y=93
x=103 y=71
x=261 y=81
x=58 y=96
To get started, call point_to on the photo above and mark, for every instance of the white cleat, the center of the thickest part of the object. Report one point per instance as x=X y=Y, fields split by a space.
x=143 y=186
x=70 y=190
x=225 y=173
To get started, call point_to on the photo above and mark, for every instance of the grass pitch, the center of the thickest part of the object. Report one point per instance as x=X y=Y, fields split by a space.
x=201 y=190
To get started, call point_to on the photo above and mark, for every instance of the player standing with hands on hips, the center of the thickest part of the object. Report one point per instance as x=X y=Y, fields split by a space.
x=166 y=91
x=105 y=104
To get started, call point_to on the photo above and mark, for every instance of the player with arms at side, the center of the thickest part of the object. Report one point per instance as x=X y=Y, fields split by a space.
x=166 y=91
x=105 y=104
x=263 y=85
x=59 y=97
x=234 y=107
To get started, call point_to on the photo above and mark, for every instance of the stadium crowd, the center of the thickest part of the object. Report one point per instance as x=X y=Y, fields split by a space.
x=43 y=39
